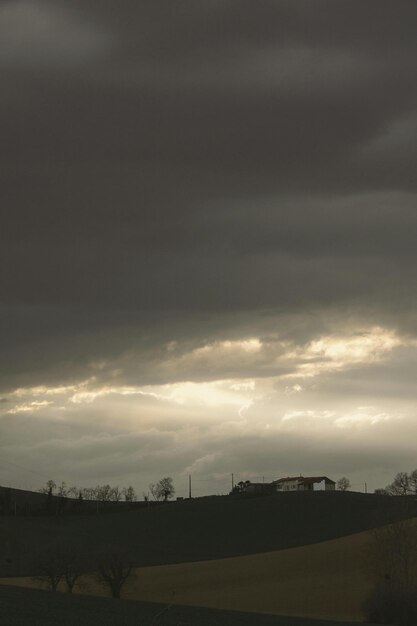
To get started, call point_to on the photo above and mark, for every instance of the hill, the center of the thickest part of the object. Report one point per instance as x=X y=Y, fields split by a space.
x=327 y=580
x=201 y=529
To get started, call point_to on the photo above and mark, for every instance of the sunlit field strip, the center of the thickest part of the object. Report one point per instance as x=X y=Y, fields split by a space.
x=325 y=580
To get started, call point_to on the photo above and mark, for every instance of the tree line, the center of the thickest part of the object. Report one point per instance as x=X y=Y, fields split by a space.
x=60 y=567
x=102 y=493
x=163 y=490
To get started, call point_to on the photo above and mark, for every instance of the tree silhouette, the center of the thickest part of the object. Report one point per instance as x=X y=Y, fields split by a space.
x=114 y=572
x=343 y=484
x=163 y=490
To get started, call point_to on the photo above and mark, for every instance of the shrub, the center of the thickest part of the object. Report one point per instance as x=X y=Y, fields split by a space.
x=114 y=572
x=389 y=604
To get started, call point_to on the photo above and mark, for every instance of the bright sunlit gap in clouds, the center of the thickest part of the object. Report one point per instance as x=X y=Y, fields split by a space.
x=339 y=352
x=248 y=390
x=265 y=359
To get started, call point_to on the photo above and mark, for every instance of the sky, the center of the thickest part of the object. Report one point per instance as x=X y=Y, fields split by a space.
x=208 y=241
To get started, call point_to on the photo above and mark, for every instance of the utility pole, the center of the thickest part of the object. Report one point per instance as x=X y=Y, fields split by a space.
x=366 y=488
x=233 y=481
x=189 y=486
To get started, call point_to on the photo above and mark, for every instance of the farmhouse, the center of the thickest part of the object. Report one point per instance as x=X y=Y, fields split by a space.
x=290 y=483
x=257 y=488
x=304 y=483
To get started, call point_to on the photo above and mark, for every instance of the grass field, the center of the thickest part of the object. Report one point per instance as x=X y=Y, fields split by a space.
x=325 y=580
x=328 y=580
x=26 y=607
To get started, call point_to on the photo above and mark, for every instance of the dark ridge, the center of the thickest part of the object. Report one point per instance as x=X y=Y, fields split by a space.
x=199 y=529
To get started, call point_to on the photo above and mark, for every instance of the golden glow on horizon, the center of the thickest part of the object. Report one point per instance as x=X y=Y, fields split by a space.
x=360 y=416
x=43 y=390
x=29 y=407
x=332 y=353
x=270 y=363
x=250 y=345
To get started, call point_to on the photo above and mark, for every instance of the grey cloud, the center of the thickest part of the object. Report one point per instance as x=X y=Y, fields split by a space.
x=148 y=348
x=155 y=118
x=216 y=258
x=393 y=378
x=39 y=34
x=184 y=31
x=141 y=458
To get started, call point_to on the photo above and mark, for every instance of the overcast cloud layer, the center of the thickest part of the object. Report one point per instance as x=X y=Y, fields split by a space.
x=208 y=240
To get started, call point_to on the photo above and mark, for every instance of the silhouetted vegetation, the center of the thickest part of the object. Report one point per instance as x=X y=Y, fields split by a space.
x=101 y=493
x=129 y=494
x=393 y=554
x=114 y=571
x=343 y=484
x=57 y=563
x=403 y=484
x=163 y=489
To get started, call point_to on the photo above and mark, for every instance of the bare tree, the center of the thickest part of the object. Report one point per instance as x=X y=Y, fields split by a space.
x=106 y=493
x=129 y=493
x=163 y=490
x=103 y=493
x=400 y=485
x=88 y=493
x=115 y=494
x=343 y=484
x=62 y=490
x=403 y=484
x=58 y=563
x=114 y=572
x=412 y=479
x=50 y=569
x=71 y=568
x=49 y=488
x=73 y=491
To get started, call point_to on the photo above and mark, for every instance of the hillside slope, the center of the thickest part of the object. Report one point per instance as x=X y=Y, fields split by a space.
x=328 y=580
x=200 y=529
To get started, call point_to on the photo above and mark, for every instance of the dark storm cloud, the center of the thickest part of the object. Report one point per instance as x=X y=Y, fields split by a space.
x=165 y=165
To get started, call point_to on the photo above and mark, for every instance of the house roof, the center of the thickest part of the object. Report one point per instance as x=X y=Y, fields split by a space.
x=249 y=484
x=307 y=480
x=284 y=480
